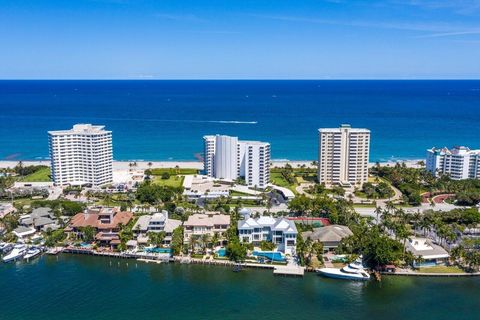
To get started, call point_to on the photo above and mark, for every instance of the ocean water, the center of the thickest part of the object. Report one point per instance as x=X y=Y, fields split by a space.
x=86 y=287
x=165 y=120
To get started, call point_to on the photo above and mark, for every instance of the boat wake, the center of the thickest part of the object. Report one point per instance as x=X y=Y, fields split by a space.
x=148 y=120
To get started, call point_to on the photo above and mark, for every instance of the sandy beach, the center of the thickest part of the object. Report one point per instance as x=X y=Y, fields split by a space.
x=142 y=165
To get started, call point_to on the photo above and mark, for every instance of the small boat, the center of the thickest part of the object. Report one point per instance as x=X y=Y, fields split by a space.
x=237 y=268
x=32 y=253
x=5 y=247
x=17 y=252
x=352 y=271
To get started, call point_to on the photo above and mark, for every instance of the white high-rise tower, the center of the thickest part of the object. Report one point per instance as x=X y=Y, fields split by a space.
x=229 y=158
x=343 y=156
x=81 y=155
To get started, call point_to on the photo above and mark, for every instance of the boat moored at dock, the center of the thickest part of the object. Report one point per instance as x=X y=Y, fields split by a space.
x=32 y=253
x=18 y=252
x=352 y=271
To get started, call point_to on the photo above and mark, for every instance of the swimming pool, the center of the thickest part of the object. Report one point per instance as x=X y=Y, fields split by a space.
x=222 y=252
x=271 y=255
x=158 y=250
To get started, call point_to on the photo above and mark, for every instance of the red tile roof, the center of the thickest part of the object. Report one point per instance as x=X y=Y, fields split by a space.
x=92 y=219
x=323 y=221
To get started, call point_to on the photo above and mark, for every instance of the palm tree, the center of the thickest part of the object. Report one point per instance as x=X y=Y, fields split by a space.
x=205 y=241
x=193 y=242
x=378 y=211
x=215 y=239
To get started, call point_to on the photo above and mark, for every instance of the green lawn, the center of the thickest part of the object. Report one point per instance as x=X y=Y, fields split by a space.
x=279 y=180
x=173 y=171
x=173 y=181
x=441 y=269
x=239 y=194
x=42 y=175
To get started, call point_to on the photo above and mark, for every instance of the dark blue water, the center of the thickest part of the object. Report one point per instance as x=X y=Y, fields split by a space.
x=161 y=120
x=85 y=287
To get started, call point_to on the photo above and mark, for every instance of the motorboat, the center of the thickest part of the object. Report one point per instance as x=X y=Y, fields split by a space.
x=353 y=271
x=5 y=247
x=17 y=252
x=31 y=253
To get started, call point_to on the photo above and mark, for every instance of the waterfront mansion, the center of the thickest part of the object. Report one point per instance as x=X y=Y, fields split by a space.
x=156 y=222
x=280 y=231
x=199 y=224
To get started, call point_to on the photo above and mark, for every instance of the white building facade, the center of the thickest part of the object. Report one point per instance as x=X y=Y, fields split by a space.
x=229 y=158
x=343 y=156
x=81 y=155
x=458 y=163
x=282 y=232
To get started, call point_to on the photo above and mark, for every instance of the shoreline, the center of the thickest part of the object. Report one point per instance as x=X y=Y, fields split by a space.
x=228 y=263
x=124 y=164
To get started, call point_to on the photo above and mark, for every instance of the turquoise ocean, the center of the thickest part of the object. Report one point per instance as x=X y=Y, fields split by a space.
x=165 y=120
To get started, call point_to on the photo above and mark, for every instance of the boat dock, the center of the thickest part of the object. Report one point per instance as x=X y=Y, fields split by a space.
x=286 y=270
x=289 y=270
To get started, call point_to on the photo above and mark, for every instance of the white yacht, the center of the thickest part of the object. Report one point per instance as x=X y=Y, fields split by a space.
x=352 y=271
x=31 y=253
x=5 y=247
x=17 y=252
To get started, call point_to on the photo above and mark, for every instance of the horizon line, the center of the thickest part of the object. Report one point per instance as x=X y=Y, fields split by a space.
x=242 y=79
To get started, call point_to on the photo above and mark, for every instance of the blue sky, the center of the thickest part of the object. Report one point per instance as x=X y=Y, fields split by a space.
x=176 y=39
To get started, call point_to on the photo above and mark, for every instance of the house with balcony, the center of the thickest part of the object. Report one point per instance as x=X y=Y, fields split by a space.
x=106 y=221
x=200 y=224
x=156 y=222
x=281 y=231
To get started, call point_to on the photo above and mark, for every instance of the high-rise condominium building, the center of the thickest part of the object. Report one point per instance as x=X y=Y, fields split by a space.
x=81 y=155
x=458 y=163
x=229 y=158
x=343 y=156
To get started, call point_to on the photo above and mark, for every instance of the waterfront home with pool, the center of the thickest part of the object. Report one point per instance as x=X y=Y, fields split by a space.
x=156 y=222
x=430 y=254
x=282 y=232
x=199 y=224
x=105 y=220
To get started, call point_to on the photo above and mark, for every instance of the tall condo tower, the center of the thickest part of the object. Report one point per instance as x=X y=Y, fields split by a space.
x=81 y=155
x=343 y=156
x=229 y=158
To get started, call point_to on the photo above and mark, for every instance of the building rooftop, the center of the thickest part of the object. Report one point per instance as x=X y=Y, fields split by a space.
x=81 y=128
x=426 y=249
x=42 y=221
x=275 y=224
x=207 y=220
x=331 y=233
x=343 y=126
x=143 y=222
x=91 y=217
x=457 y=150
x=41 y=212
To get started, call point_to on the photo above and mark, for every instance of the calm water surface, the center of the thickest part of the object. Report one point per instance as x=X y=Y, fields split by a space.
x=83 y=287
x=165 y=120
